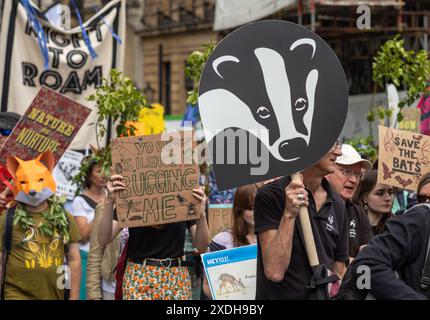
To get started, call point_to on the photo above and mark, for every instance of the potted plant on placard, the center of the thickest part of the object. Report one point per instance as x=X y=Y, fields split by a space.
x=118 y=100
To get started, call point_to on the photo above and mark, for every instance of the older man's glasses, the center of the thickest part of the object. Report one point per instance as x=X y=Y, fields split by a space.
x=349 y=173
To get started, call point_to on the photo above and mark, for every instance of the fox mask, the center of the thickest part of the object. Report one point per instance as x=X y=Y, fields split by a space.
x=33 y=180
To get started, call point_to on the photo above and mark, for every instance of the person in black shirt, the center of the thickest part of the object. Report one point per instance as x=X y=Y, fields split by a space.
x=394 y=260
x=154 y=266
x=344 y=180
x=283 y=270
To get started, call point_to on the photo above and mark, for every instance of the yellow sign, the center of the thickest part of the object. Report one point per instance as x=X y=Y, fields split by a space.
x=153 y=119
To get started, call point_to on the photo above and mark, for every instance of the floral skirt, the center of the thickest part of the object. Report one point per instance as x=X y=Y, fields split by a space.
x=156 y=283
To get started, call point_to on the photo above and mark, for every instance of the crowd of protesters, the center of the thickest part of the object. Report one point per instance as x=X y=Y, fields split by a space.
x=354 y=220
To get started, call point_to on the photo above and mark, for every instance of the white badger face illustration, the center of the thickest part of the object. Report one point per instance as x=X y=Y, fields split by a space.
x=287 y=108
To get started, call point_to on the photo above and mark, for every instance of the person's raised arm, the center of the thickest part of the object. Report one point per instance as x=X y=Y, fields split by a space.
x=108 y=228
x=276 y=244
x=200 y=232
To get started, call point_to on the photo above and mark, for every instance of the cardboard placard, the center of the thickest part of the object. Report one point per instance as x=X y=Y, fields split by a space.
x=273 y=99
x=66 y=169
x=220 y=218
x=232 y=273
x=157 y=192
x=403 y=158
x=50 y=123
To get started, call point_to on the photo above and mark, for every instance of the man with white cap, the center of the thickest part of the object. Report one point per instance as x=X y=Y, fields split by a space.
x=348 y=169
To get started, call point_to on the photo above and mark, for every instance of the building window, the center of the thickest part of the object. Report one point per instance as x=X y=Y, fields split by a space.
x=167 y=85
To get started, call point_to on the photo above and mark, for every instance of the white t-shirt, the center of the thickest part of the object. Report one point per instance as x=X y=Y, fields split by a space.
x=80 y=208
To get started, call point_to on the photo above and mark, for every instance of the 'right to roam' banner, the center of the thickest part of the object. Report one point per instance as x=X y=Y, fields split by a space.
x=403 y=158
x=71 y=70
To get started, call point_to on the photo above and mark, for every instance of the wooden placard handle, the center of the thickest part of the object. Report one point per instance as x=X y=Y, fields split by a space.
x=305 y=222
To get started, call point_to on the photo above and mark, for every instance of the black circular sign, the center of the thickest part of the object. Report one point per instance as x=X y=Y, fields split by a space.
x=279 y=86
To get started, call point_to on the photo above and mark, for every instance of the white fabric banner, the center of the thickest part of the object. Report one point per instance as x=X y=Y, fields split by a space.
x=71 y=70
x=230 y=14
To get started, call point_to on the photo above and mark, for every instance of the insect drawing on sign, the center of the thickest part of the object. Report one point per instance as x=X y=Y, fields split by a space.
x=135 y=218
x=129 y=205
x=191 y=207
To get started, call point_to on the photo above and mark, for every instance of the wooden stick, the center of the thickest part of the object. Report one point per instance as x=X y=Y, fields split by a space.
x=305 y=222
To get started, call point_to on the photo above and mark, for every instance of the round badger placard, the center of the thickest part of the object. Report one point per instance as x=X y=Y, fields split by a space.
x=273 y=100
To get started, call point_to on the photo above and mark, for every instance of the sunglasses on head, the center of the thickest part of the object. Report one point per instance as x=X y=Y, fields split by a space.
x=5 y=132
x=423 y=198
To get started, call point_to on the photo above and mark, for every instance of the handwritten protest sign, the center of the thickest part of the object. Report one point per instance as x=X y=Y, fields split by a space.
x=159 y=175
x=50 y=123
x=219 y=218
x=403 y=158
x=232 y=273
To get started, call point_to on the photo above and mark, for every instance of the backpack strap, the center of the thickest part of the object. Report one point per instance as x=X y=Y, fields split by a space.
x=6 y=246
x=90 y=201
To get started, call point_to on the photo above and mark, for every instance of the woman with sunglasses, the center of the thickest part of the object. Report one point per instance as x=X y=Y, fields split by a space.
x=376 y=199
x=423 y=190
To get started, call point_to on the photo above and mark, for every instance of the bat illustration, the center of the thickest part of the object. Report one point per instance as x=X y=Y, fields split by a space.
x=389 y=141
x=181 y=199
x=386 y=170
x=403 y=183
x=418 y=138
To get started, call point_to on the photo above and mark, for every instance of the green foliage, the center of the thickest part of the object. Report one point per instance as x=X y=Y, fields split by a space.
x=101 y=157
x=365 y=147
x=195 y=65
x=56 y=219
x=408 y=69
x=118 y=100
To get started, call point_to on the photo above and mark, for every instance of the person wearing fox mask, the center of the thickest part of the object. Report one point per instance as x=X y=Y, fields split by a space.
x=43 y=233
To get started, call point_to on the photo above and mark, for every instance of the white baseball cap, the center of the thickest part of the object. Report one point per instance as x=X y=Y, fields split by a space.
x=350 y=156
